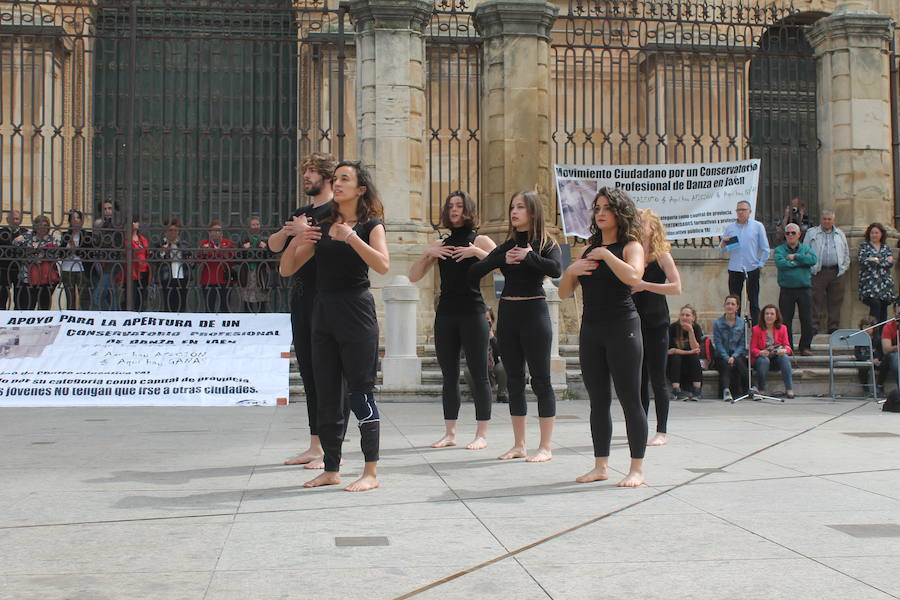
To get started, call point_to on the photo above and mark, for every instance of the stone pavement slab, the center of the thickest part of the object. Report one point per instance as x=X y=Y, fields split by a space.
x=746 y=501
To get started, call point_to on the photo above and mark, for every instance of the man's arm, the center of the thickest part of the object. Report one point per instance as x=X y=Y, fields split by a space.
x=764 y=249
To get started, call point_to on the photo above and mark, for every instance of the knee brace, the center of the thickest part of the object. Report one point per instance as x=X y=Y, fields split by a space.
x=364 y=407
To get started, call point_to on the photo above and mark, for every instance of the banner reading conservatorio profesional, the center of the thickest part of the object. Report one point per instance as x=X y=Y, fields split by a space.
x=693 y=200
x=89 y=358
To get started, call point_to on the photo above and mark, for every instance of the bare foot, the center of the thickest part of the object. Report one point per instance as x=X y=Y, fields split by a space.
x=595 y=474
x=479 y=443
x=542 y=455
x=659 y=439
x=319 y=463
x=326 y=478
x=633 y=479
x=514 y=452
x=364 y=483
x=447 y=440
x=305 y=457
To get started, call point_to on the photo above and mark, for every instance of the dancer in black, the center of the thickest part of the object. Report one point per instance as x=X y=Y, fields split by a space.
x=610 y=344
x=318 y=170
x=459 y=319
x=345 y=330
x=523 y=324
x=661 y=279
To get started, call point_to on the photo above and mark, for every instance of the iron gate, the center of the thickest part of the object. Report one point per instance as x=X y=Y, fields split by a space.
x=647 y=81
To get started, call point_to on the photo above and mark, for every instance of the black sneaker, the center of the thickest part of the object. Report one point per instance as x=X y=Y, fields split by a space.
x=680 y=395
x=502 y=399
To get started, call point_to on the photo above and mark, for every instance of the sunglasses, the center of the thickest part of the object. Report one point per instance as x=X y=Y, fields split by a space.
x=791 y=233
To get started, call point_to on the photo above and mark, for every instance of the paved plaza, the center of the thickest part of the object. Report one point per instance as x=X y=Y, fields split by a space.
x=755 y=500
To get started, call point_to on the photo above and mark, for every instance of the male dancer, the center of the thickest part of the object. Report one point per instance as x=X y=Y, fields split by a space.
x=318 y=169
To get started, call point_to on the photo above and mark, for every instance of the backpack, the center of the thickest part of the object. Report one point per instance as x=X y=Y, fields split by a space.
x=707 y=353
x=892 y=404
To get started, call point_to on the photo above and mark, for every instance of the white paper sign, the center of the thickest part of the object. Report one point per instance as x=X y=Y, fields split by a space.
x=87 y=358
x=692 y=200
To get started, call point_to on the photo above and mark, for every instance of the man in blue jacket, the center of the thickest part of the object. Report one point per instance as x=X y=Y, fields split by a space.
x=795 y=262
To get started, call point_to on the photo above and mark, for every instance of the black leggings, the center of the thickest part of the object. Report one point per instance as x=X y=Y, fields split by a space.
x=345 y=338
x=469 y=331
x=301 y=321
x=653 y=371
x=614 y=349
x=524 y=334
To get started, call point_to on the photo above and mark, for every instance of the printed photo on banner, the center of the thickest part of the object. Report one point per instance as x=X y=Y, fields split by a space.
x=692 y=200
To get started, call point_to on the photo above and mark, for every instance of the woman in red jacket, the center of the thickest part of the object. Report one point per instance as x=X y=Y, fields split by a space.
x=140 y=268
x=215 y=277
x=770 y=348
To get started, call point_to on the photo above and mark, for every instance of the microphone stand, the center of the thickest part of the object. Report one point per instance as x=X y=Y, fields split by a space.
x=750 y=395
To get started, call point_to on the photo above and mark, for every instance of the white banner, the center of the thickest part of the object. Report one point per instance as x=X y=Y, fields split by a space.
x=693 y=200
x=85 y=358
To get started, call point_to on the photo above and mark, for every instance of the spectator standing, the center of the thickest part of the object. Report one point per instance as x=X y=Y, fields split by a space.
x=39 y=274
x=107 y=258
x=876 y=285
x=730 y=340
x=173 y=272
x=10 y=258
x=829 y=244
x=794 y=262
x=253 y=272
x=74 y=267
x=216 y=255
x=749 y=247
x=795 y=212
x=140 y=266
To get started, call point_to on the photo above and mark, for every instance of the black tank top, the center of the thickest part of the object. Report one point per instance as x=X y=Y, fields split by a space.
x=606 y=297
x=652 y=307
x=339 y=267
x=458 y=295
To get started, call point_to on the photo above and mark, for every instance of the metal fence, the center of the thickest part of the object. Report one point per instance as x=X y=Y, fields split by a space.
x=650 y=81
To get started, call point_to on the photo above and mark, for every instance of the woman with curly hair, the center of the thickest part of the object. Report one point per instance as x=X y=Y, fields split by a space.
x=661 y=279
x=876 y=285
x=610 y=344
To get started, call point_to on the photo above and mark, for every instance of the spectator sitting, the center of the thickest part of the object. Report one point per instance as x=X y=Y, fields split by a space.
x=684 y=355
x=730 y=341
x=889 y=347
x=770 y=349
x=876 y=355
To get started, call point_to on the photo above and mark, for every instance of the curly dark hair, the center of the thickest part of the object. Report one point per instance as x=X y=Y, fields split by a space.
x=625 y=212
x=368 y=206
x=321 y=163
x=878 y=226
x=470 y=213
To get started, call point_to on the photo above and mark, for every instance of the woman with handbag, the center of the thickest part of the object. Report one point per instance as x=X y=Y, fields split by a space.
x=41 y=274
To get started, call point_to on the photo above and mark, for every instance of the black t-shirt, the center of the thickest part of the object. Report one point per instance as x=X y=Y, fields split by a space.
x=679 y=339
x=339 y=267
x=304 y=280
x=606 y=297
x=458 y=294
x=652 y=307
x=525 y=279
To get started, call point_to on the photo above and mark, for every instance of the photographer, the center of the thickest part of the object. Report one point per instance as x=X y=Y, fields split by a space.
x=770 y=349
x=795 y=213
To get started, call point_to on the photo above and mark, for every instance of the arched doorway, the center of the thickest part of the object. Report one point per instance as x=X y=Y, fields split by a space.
x=215 y=109
x=782 y=127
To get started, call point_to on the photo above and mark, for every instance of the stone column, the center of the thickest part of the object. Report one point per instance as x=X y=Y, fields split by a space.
x=390 y=54
x=852 y=48
x=400 y=367
x=557 y=363
x=515 y=101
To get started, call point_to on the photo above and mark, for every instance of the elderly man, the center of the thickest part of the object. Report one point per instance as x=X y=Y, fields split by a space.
x=794 y=262
x=749 y=247
x=828 y=274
